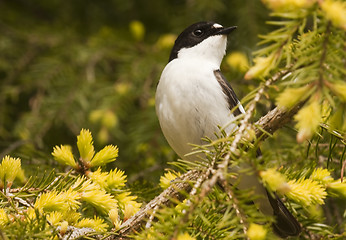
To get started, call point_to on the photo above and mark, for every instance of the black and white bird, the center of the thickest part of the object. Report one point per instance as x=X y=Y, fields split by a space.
x=193 y=99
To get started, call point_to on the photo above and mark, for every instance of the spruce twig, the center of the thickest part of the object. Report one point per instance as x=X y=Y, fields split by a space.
x=271 y=122
x=176 y=191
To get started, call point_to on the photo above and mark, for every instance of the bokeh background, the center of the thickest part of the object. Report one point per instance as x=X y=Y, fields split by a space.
x=68 y=65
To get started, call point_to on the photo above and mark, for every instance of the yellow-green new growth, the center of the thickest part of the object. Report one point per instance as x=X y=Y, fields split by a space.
x=71 y=198
x=50 y=201
x=262 y=67
x=167 y=178
x=338 y=120
x=308 y=119
x=85 y=146
x=335 y=11
x=30 y=214
x=185 y=236
x=337 y=187
x=306 y=192
x=3 y=218
x=288 y=5
x=100 y=199
x=291 y=96
x=166 y=41
x=106 y=155
x=9 y=169
x=88 y=158
x=109 y=119
x=55 y=201
x=83 y=185
x=21 y=175
x=72 y=216
x=55 y=218
x=124 y=198
x=274 y=180
x=63 y=227
x=114 y=217
x=137 y=30
x=99 y=177
x=97 y=224
x=116 y=179
x=63 y=155
x=238 y=61
x=339 y=89
x=94 y=194
x=256 y=232
x=321 y=175
x=131 y=208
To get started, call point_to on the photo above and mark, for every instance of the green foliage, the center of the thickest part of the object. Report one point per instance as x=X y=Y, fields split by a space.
x=81 y=198
x=77 y=65
x=95 y=65
x=309 y=49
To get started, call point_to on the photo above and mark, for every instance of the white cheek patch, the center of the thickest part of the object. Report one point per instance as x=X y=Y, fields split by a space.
x=216 y=25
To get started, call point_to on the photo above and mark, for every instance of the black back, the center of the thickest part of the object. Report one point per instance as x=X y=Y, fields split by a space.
x=229 y=92
x=191 y=36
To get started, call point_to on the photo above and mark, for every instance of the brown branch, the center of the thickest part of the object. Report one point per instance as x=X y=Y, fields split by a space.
x=269 y=123
x=274 y=120
x=176 y=191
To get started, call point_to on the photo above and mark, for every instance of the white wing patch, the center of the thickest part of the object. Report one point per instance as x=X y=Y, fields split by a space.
x=241 y=108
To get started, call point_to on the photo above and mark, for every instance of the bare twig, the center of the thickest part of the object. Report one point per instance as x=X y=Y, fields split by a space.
x=268 y=124
x=271 y=122
x=274 y=120
x=176 y=191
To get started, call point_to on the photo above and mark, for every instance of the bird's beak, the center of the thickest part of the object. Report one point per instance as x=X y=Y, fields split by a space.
x=225 y=31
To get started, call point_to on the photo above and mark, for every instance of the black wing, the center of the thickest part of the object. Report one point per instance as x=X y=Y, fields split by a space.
x=286 y=224
x=229 y=92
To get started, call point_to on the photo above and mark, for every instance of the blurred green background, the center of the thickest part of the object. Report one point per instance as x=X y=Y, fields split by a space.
x=67 y=65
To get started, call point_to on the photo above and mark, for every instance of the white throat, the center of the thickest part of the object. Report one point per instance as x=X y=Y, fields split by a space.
x=211 y=49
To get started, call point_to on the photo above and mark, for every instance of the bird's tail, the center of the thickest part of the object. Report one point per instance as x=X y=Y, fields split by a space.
x=286 y=224
x=268 y=203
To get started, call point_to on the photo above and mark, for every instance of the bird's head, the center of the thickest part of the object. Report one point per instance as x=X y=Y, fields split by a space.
x=203 y=40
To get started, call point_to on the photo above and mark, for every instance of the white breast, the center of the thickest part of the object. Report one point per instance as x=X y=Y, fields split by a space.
x=190 y=104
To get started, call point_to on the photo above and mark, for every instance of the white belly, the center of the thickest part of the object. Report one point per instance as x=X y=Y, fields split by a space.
x=190 y=107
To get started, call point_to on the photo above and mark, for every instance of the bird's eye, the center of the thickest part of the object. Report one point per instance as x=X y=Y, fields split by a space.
x=198 y=32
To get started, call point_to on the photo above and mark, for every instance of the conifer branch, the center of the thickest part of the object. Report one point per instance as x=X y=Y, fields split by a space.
x=197 y=185
x=324 y=53
x=271 y=122
x=274 y=120
x=235 y=203
x=176 y=192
